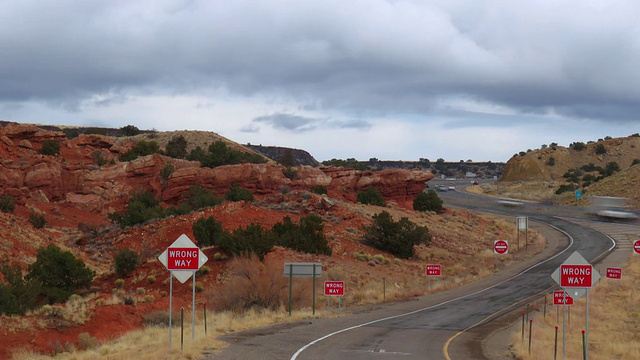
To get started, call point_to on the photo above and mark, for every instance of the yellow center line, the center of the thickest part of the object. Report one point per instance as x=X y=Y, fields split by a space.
x=517 y=303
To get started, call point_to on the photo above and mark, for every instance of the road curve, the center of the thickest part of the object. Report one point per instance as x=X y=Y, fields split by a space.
x=430 y=326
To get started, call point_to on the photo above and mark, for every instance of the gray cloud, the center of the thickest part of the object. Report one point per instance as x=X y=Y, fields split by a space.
x=353 y=60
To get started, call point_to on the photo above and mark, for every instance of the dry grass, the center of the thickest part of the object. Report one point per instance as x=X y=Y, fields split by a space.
x=614 y=323
x=152 y=342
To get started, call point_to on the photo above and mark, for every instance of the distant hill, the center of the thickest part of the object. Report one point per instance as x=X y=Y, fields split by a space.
x=605 y=167
x=276 y=153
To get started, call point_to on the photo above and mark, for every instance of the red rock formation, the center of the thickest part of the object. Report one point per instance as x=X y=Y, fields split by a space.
x=87 y=186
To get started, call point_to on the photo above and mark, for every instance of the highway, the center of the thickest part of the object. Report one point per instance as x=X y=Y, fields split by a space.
x=431 y=327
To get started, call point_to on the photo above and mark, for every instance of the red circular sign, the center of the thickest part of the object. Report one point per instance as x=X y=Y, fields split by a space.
x=636 y=246
x=500 y=247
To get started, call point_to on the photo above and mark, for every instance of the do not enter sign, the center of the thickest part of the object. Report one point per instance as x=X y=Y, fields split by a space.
x=636 y=246
x=500 y=247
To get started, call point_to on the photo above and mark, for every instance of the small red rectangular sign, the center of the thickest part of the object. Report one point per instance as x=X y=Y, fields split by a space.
x=614 y=273
x=183 y=258
x=433 y=270
x=578 y=276
x=334 y=288
x=559 y=298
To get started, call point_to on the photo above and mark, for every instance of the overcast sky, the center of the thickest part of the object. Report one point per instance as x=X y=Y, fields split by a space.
x=395 y=80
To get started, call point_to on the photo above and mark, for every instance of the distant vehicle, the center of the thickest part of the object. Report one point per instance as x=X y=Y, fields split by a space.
x=510 y=203
x=475 y=183
x=612 y=208
x=452 y=187
x=441 y=188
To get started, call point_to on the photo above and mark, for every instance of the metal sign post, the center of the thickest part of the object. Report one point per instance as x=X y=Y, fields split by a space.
x=183 y=258
x=302 y=269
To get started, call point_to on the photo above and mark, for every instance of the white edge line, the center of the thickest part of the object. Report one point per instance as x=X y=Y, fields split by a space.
x=295 y=355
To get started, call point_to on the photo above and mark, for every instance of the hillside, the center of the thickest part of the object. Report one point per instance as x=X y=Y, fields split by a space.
x=75 y=193
x=605 y=167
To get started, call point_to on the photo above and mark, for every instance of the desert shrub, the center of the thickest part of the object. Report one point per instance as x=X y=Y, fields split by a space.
x=141 y=148
x=578 y=146
x=204 y=270
x=125 y=260
x=71 y=133
x=50 y=147
x=129 y=130
x=371 y=196
x=635 y=161
x=199 y=287
x=253 y=284
x=140 y=291
x=612 y=167
x=98 y=158
x=219 y=257
x=119 y=283
x=18 y=294
x=290 y=173
x=349 y=163
x=427 y=201
x=160 y=318
x=207 y=231
x=600 y=149
x=396 y=237
x=565 y=188
x=129 y=300
x=253 y=239
x=140 y=208
x=151 y=279
x=306 y=236
x=201 y=198
x=59 y=274
x=220 y=154
x=319 y=189
x=149 y=298
x=37 y=220
x=167 y=170
x=86 y=341
x=551 y=161
x=236 y=193
x=176 y=147
x=7 y=203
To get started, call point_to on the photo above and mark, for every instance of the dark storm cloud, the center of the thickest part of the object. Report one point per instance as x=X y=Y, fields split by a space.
x=358 y=57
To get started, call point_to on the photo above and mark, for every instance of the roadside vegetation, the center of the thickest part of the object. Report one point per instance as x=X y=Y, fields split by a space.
x=613 y=322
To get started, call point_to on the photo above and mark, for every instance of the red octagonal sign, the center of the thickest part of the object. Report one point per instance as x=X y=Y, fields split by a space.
x=500 y=247
x=636 y=246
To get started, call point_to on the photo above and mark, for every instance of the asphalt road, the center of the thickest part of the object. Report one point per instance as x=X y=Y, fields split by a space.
x=430 y=327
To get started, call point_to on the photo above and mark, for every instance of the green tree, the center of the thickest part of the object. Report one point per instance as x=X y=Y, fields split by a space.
x=177 y=147
x=18 y=295
x=37 y=220
x=207 y=231
x=126 y=260
x=59 y=274
x=50 y=147
x=371 y=196
x=396 y=237
x=253 y=239
x=236 y=193
x=319 y=189
x=7 y=203
x=129 y=130
x=427 y=201
x=307 y=236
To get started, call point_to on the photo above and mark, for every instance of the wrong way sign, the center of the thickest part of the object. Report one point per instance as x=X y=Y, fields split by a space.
x=561 y=297
x=334 y=288
x=183 y=257
x=576 y=272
